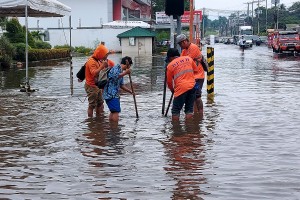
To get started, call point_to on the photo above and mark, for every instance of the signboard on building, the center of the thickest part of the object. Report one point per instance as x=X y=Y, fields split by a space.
x=185 y=18
x=162 y=18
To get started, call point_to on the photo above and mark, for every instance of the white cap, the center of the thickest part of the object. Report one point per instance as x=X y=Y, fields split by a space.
x=180 y=38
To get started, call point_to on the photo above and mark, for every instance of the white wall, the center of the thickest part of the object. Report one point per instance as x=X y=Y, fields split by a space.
x=92 y=13
x=87 y=37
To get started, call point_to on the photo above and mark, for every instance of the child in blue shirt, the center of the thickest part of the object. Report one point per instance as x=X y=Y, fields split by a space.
x=111 y=93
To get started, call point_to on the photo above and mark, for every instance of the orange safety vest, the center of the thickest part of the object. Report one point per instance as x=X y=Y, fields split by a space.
x=180 y=75
x=194 y=52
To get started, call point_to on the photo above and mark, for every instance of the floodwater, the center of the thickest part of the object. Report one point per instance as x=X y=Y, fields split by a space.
x=246 y=147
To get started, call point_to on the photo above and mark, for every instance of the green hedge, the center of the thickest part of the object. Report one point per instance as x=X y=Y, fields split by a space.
x=47 y=54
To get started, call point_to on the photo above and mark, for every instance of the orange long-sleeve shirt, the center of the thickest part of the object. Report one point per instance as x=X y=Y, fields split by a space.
x=91 y=68
x=180 y=75
x=194 y=52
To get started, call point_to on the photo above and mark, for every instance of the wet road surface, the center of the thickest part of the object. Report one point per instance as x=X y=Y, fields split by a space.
x=246 y=147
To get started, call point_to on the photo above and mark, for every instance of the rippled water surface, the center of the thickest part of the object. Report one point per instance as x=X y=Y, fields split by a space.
x=246 y=147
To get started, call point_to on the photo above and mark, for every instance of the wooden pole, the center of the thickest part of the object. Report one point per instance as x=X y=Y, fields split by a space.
x=191 y=19
x=136 y=111
x=164 y=93
x=169 y=104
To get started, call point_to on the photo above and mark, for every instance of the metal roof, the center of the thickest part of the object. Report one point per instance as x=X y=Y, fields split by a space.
x=137 y=32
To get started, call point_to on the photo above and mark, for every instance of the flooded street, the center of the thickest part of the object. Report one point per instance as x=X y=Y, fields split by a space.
x=246 y=147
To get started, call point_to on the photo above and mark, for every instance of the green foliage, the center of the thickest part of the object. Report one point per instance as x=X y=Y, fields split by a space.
x=42 y=45
x=66 y=46
x=162 y=35
x=36 y=35
x=7 y=51
x=158 y=6
x=6 y=47
x=20 y=51
x=80 y=49
x=16 y=33
x=3 y=21
x=83 y=50
x=47 y=54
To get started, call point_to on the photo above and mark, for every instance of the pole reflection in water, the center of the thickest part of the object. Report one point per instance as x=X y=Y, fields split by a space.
x=186 y=153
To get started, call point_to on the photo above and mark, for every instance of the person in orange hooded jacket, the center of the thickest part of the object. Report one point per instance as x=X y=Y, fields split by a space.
x=93 y=66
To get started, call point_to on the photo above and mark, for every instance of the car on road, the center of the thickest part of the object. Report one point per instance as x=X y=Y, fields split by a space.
x=286 y=41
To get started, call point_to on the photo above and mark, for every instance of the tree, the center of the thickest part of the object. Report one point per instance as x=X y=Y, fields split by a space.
x=3 y=21
x=7 y=51
x=16 y=33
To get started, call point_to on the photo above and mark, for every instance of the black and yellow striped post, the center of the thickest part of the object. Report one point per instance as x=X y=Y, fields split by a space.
x=210 y=73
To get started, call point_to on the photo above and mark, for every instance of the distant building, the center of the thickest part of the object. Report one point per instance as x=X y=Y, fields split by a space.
x=137 y=41
x=87 y=21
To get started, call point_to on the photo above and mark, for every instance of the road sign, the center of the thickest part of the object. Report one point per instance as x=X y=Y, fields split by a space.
x=162 y=18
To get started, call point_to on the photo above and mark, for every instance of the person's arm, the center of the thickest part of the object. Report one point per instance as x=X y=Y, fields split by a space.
x=170 y=80
x=95 y=69
x=123 y=87
x=194 y=66
x=125 y=72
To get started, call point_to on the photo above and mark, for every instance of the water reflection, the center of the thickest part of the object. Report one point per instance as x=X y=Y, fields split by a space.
x=104 y=137
x=49 y=149
x=186 y=161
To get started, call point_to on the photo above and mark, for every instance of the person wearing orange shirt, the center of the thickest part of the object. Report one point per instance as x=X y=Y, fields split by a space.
x=95 y=63
x=193 y=51
x=181 y=82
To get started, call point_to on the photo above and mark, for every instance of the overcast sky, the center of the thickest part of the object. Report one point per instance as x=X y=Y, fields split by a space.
x=233 y=4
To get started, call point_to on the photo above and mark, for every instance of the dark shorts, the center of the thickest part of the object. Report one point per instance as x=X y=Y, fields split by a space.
x=113 y=105
x=187 y=100
x=198 y=87
x=94 y=96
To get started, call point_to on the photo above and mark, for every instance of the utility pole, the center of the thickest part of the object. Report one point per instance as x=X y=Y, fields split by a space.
x=238 y=23
x=248 y=11
x=266 y=15
x=252 y=19
x=203 y=22
x=258 y=10
x=277 y=15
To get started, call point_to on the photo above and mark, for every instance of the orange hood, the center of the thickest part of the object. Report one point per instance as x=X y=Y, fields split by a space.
x=100 y=52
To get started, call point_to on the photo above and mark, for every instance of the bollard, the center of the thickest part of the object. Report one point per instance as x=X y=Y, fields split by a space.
x=210 y=73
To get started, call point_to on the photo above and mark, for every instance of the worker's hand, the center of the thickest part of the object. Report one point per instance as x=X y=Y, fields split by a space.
x=104 y=64
x=127 y=71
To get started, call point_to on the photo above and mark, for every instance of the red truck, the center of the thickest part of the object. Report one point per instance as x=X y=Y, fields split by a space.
x=286 y=41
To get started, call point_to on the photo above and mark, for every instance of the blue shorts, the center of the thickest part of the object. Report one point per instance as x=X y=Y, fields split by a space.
x=198 y=87
x=113 y=105
x=187 y=99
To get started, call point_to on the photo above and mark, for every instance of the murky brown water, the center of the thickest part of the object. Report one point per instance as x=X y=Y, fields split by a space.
x=246 y=147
